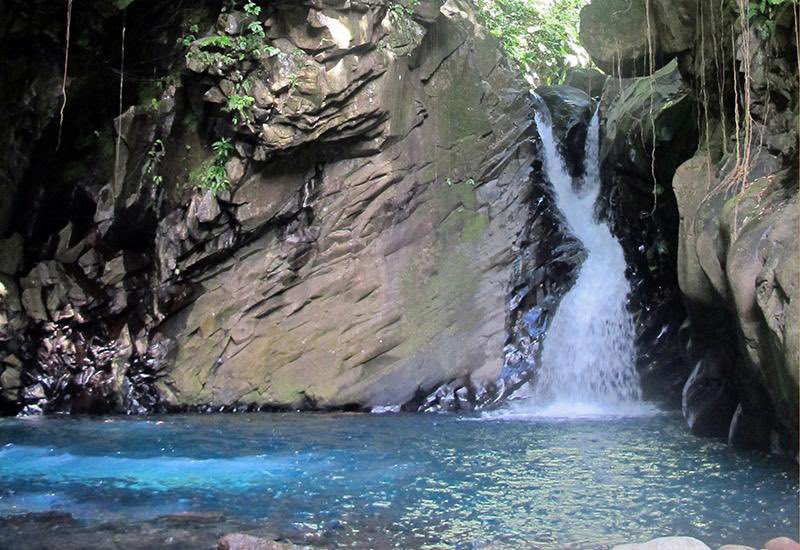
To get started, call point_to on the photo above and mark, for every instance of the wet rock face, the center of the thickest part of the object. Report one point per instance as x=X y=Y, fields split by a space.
x=587 y=79
x=631 y=38
x=381 y=271
x=365 y=252
x=571 y=109
x=648 y=129
x=716 y=222
x=35 y=95
x=546 y=266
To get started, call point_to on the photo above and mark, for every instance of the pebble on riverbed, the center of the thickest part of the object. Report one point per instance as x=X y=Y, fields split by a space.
x=666 y=543
x=689 y=543
x=782 y=543
x=239 y=541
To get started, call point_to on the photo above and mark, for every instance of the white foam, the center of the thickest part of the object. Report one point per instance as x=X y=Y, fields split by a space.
x=587 y=368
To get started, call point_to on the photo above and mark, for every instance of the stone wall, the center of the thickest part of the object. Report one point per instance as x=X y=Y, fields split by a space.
x=700 y=166
x=365 y=253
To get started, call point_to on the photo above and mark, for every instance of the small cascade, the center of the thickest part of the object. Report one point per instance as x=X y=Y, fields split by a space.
x=587 y=364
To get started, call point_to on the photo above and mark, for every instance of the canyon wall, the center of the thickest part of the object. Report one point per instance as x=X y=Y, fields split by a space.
x=701 y=171
x=309 y=205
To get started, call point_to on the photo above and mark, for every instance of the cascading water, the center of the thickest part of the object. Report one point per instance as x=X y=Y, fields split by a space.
x=587 y=366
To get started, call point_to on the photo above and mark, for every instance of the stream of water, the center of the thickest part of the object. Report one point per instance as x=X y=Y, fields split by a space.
x=587 y=365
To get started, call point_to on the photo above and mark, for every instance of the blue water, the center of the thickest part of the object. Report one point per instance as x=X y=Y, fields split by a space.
x=402 y=481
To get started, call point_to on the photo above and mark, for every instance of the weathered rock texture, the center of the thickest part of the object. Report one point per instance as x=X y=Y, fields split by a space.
x=633 y=38
x=701 y=167
x=570 y=109
x=640 y=116
x=365 y=253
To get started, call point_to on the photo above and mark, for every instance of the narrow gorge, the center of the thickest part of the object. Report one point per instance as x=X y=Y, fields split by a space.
x=373 y=206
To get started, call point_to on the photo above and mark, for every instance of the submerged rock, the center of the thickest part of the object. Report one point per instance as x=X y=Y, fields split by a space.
x=781 y=543
x=239 y=541
x=666 y=543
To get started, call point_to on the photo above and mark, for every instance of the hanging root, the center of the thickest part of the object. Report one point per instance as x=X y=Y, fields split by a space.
x=64 y=80
x=707 y=125
x=747 y=118
x=795 y=10
x=743 y=119
x=719 y=52
x=119 y=118
x=651 y=61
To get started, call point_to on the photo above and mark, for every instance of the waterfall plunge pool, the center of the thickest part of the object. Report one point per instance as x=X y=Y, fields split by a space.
x=382 y=481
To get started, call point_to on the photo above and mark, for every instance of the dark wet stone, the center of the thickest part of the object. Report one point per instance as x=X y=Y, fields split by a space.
x=709 y=399
x=239 y=541
x=193 y=517
x=11 y=252
x=570 y=110
x=587 y=79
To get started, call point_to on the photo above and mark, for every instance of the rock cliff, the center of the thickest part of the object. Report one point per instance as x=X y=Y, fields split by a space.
x=316 y=205
x=700 y=164
x=339 y=205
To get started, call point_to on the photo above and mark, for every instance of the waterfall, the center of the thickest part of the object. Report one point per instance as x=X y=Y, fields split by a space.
x=587 y=363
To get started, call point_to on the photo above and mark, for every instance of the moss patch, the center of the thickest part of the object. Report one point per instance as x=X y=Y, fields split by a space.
x=439 y=284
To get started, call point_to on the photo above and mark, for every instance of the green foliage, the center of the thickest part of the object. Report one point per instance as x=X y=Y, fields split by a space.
x=191 y=36
x=212 y=174
x=541 y=35
x=211 y=58
x=221 y=41
x=256 y=28
x=151 y=91
x=223 y=149
x=239 y=105
x=399 y=10
x=155 y=155
x=222 y=49
x=761 y=15
x=251 y=8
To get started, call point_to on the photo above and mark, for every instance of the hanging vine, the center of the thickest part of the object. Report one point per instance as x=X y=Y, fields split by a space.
x=121 y=88
x=651 y=64
x=64 y=79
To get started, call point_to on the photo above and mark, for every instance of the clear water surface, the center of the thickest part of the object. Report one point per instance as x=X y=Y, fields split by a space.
x=398 y=481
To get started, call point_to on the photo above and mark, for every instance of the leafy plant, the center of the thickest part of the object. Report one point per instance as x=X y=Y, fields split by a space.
x=220 y=41
x=155 y=155
x=541 y=35
x=221 y=48
x=398 y=10
x=251 y=8
x=222 y=149
x=212 y=174
x=239 y=105
x=761 y=15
